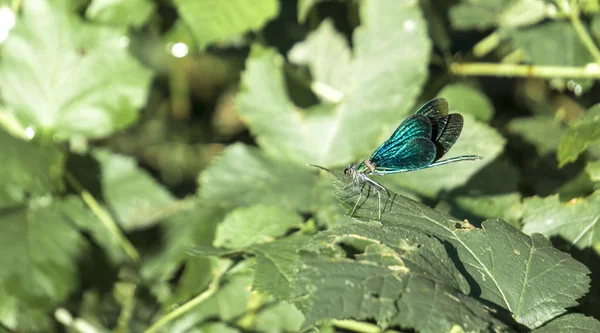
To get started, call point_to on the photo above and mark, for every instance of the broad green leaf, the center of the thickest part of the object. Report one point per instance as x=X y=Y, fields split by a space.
x=244 y=176
x=387 y=69
x=327 y=55
x=572 y=322
x=593 y=169
x=130 y=192
x=256 y=224
x=19 y=318
x=394 y=275
x=485 y=14
x=490 y=256
x=67 y=78
x=564 y=49
x=116 y=12
x=276 y=271
x=504 y=206
x=577 y=138
x=283 y=317
x=476 y=139
x=543 y=132
x=463 y=98
x=28 y=169
x=216 y=20
x=39 y=246
x=576 y=221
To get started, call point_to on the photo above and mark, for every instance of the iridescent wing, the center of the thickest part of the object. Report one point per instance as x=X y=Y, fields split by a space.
x=435 y=108
x=415 y=126
x=415 y=154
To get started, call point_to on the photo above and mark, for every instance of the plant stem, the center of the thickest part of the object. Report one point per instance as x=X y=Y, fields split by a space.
x=64 y=317
x=211 y=290
x=104 y=217
x=358 y=326
x=487 y=45
x=572 y=11
x=591 y=71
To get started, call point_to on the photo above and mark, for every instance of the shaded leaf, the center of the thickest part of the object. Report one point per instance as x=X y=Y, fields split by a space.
x=388 y=67
x=67 y=78
x=213 y=20
x=243 y=176
x=282 y=317
x=482 y=14
x=476 y=139
x=29 y=169
x=130 y=192
x=256 y=224
x=463 y=98
x=304 y=7
x=577 y=138
x=127 y=13
x=542 y=132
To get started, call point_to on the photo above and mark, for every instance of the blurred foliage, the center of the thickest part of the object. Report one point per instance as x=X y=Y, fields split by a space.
x=155 y=177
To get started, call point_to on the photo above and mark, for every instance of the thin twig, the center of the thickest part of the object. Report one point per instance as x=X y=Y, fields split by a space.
x=211 y=290
x=104 y=217
x=591 y=71
x=572 y=11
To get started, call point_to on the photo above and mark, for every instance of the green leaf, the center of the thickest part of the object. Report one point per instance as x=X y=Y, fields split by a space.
x=392 y=274
x=378 y=89
x=19 y=318
x=577 y=138
x=28 y=169
x=126 y=13
x=504 y=206
x=39 y=246
x=463 y=98
x=254 y=225
x=74 y=208
x=214 y=20
x=130 y=192
x=181 y=231
x=575 y=221
x=485 y=14
x=476 y=139
x=542 y=132
x=282 y=317
x=304 y=7
x=490 y=256
x=593 y=169
x=244 y=176
x=67 y=78
x=572 y=322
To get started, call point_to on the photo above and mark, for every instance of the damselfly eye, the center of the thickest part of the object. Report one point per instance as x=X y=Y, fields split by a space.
x=347 y=171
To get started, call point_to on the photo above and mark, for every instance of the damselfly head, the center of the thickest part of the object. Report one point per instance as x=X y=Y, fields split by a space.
x=350 y=170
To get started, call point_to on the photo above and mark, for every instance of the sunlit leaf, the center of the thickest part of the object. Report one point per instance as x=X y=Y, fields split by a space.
x=256 y=224
x=128 y=13
x=215 y=20
x=463 y=99
x=593 y=169
x=67 y=78
x=244 y=176
x=576 y=221
x=387 y=69
x=130 y=192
